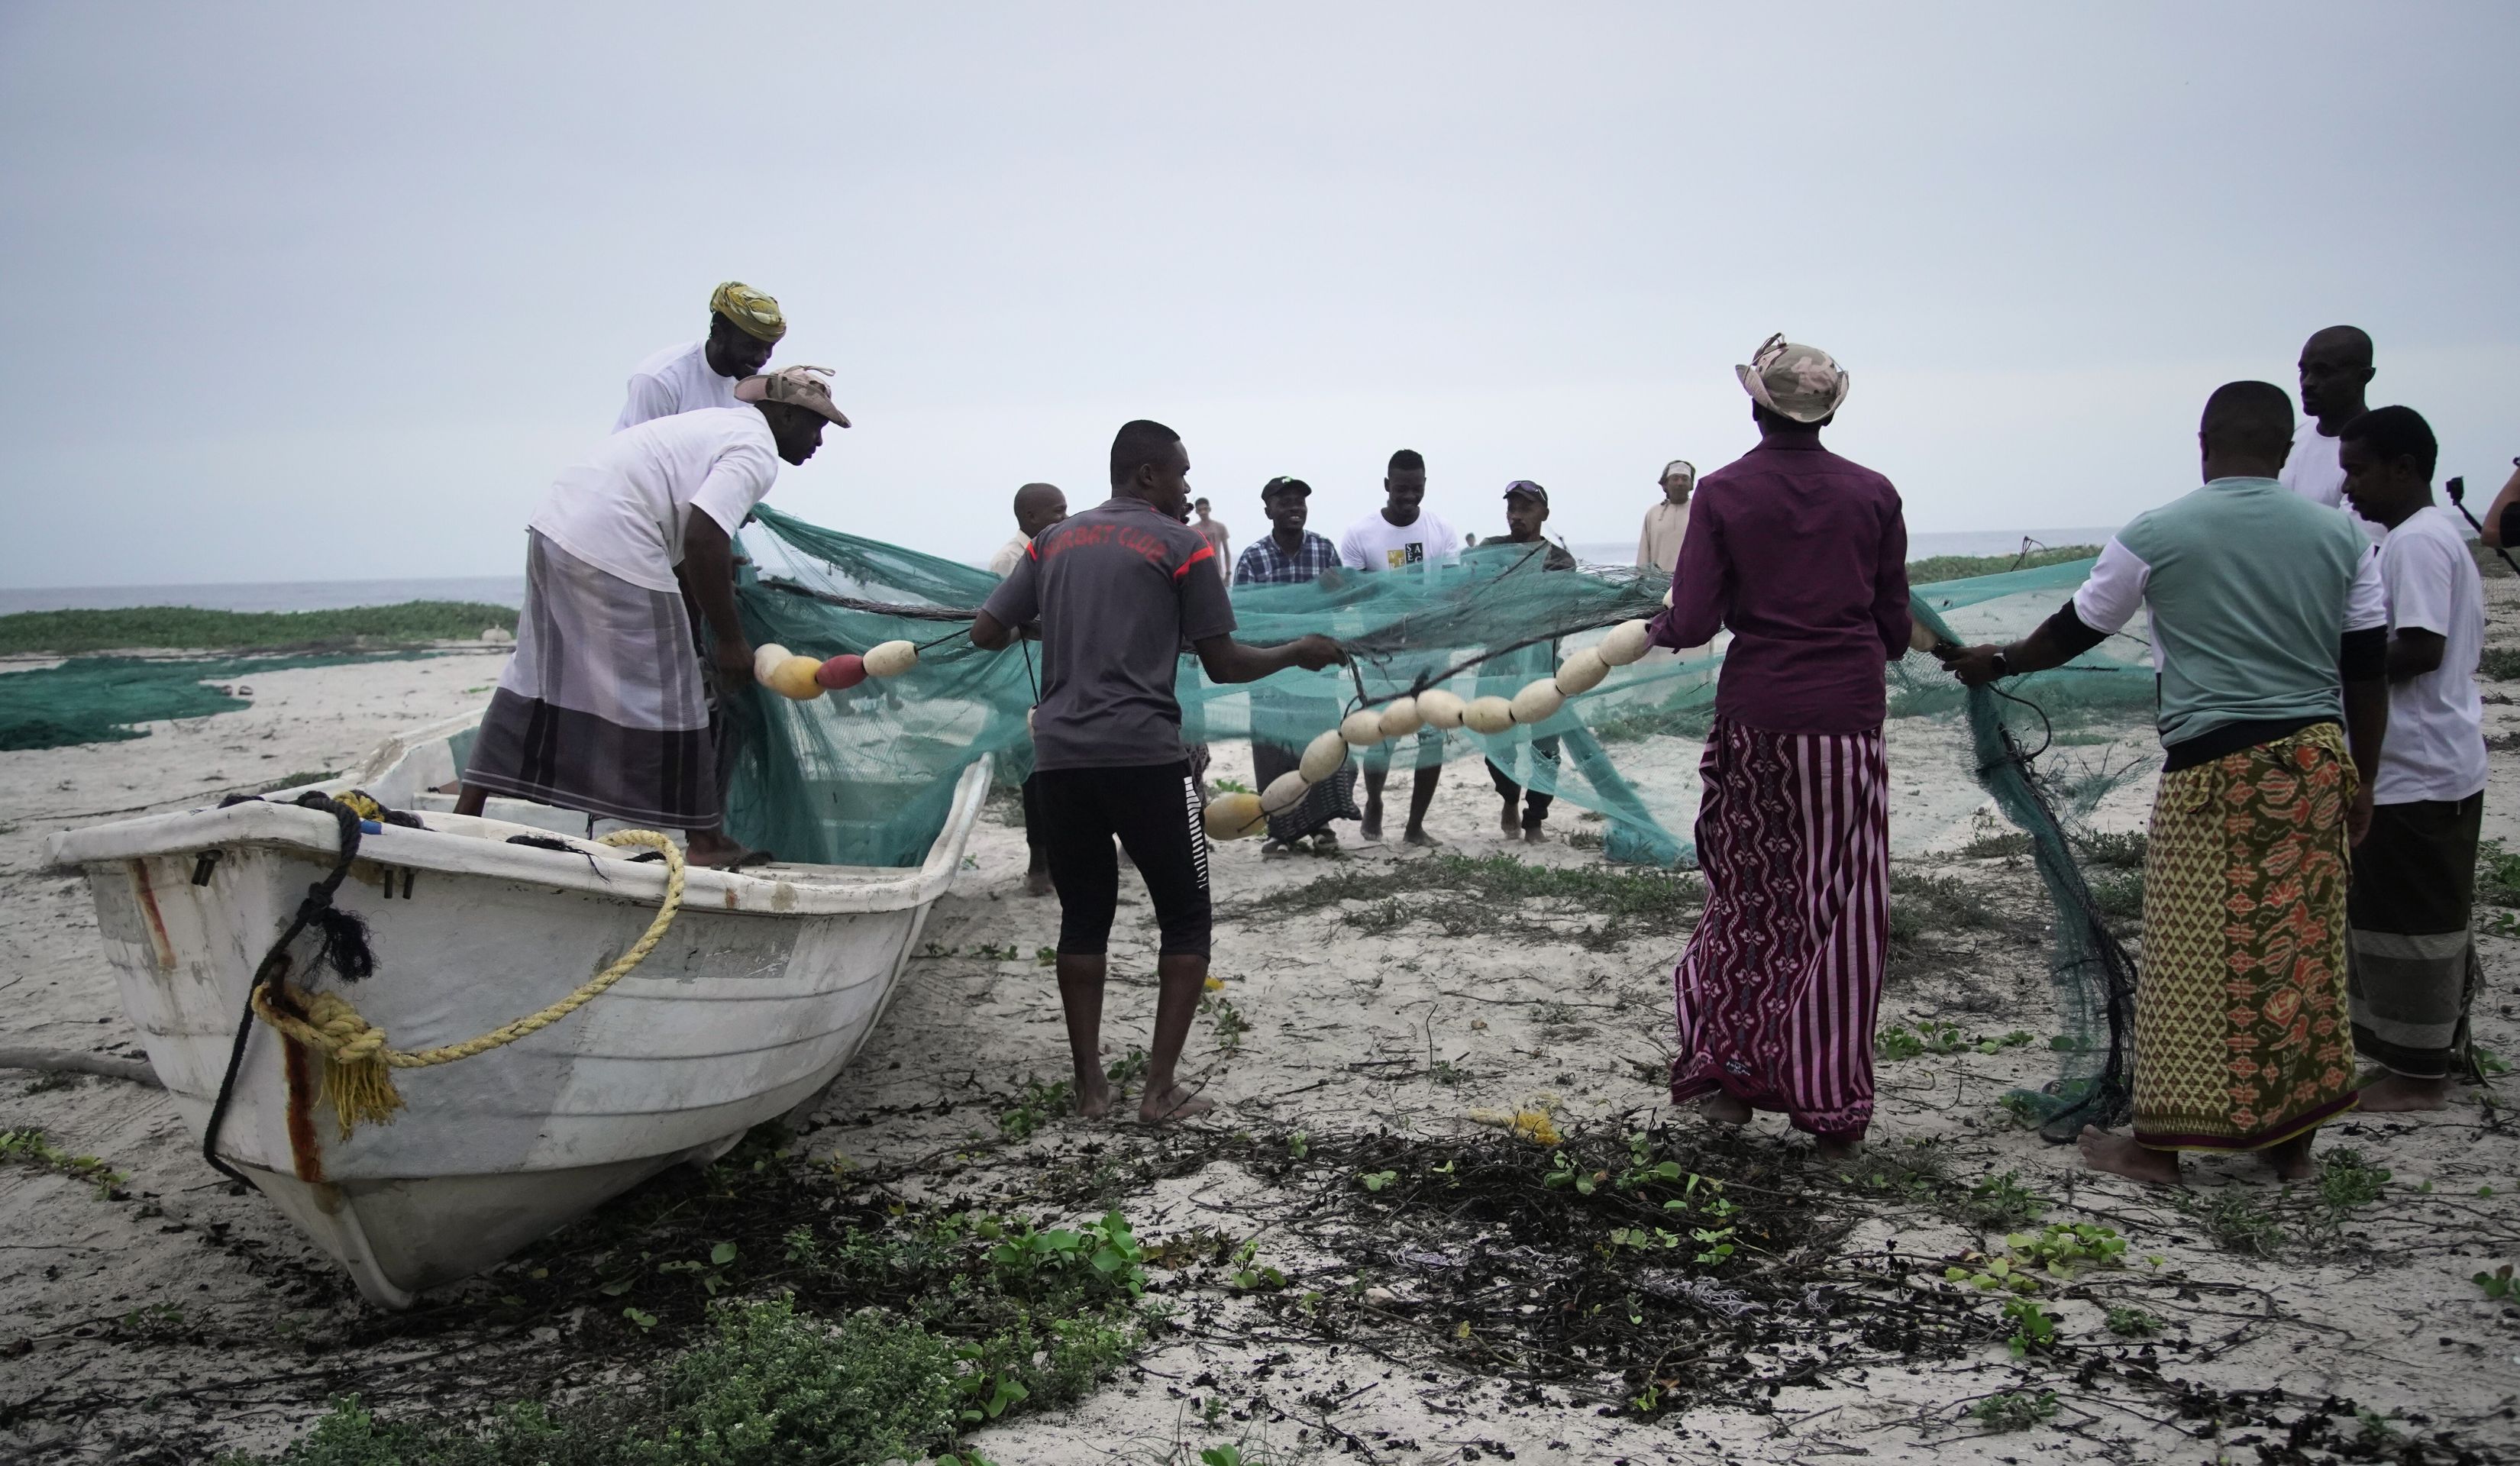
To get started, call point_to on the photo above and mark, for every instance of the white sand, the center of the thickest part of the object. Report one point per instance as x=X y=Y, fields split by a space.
x=1343 y=1027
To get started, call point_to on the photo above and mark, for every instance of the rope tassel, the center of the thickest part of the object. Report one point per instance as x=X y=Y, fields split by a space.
x=359 y=1062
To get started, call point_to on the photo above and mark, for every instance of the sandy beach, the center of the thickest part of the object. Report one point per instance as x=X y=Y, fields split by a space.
x=152 y=1315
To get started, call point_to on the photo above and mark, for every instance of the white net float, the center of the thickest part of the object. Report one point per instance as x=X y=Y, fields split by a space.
x=1401 y=718
x=1626 y=642
x=1440 y=709
x=1323 y=757
x=891 y=659
x=1285 y=792
x=1361 y=729
x=1488 y=715
x=1582 y=672
x=1539 y=702
x=766 y=658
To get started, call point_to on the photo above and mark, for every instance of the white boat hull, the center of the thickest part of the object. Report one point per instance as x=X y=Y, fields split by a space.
x=764 y=988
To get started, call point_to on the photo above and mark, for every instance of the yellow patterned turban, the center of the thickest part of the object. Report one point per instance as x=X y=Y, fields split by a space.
x=754 y=313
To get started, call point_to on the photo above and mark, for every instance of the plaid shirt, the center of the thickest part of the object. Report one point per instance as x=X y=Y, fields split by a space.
x=1265 y=563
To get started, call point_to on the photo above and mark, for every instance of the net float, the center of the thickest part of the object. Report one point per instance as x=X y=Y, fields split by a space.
x=1488 y=715
x=1401 y=718
x=1285 y=792
x=1231 y=817
x=1361 y=729
x=1323 y=757
x=766 y=658
x=891 y=659
x=846 y=670
x=1440 y=709
x=1582 y=672
x=1539 y=702
x=1626 y=642
x=795 y=678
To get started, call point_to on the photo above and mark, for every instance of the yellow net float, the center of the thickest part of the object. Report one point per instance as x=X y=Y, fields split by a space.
x=1231 y=817
x=793 y=678
x=766 y=658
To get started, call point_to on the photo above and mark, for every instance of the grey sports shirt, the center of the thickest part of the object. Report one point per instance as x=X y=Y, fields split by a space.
x=1120 y=592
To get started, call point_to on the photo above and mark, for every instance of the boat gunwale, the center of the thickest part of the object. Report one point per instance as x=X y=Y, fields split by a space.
x=789 y=890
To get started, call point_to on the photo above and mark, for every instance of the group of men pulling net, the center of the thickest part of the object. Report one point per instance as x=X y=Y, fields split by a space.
x=864 y=775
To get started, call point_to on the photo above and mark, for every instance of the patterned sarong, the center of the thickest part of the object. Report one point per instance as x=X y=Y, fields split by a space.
x=2240 y=1004
x=1778 y=988
x=603 y=707
x=2411 y=966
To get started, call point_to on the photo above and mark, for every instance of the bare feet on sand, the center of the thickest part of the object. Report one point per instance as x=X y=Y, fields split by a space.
x=2119 y=1155
x=2291 y=1160
x=2398 y=1093
x=1096 y=1102
x=1370 y=830
x=1420 y=839
x=1725 y=1108
x=1845 y=1146
x=1037 y=881
x=1533 y=835
x=1511 y=826
x=1173 y=1103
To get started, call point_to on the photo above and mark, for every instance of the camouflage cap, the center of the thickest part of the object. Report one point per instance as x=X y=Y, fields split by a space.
x=1794 y=380
x=794 y=385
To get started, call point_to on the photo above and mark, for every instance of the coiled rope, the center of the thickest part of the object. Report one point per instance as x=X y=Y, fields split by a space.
x=359 y=1062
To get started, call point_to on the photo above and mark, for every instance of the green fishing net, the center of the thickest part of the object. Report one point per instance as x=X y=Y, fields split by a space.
x=104 y=700
x=864 y=775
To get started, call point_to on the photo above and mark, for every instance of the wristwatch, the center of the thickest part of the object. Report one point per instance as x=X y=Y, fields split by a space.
x=2003 y=663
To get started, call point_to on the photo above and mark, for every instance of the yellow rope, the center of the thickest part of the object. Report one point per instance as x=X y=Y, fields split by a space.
x=358 y=1064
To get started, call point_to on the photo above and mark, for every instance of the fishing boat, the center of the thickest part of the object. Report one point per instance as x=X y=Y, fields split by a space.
x=758 y=994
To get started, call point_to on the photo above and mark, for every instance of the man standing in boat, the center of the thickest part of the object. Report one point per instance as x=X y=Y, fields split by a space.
x=744 y=327
x=1119 y=591
x=602 y=708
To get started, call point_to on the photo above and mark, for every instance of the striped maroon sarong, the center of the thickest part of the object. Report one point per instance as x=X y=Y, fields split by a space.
x=1778 y=989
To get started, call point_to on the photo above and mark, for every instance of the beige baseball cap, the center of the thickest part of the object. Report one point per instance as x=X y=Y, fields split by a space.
x=794 y=385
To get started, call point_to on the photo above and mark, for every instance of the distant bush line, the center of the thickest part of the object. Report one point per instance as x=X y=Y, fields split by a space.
x=193 y=629
x=1938 y=567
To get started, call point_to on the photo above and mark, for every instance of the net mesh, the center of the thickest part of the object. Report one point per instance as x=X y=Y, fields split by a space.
x=864 y=775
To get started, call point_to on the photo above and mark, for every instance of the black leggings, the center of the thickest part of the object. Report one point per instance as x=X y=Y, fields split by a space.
x=1154 y=809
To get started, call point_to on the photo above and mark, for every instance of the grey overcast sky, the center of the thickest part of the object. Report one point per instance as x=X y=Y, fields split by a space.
x=330 y=290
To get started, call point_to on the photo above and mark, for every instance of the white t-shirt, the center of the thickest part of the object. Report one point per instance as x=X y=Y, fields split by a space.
x=676 y=379
x=625 y=508
x=1003 y=563
x=2312 y=469
x=1374 y=542
x=2436 y=744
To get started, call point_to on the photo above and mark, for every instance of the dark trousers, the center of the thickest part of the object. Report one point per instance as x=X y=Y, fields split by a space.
x=1155 y=810
x=1534 y=804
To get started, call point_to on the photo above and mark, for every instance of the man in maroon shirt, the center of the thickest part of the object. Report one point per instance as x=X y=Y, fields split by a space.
x=1802 y=556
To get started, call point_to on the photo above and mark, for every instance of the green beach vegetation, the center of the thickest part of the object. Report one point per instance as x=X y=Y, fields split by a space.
x=1941 y=568
x=184 y=628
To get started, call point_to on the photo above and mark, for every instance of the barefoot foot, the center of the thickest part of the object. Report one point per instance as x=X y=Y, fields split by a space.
x=2119 y=1155
x=1037 y=881
x=2399 y=1093
x=1508 y=824
x=1725 y=1108
x=1420 y=839
x=1173 y=1103
x=2291 y=1160
x=1096 y=1102
x=1846 y=1145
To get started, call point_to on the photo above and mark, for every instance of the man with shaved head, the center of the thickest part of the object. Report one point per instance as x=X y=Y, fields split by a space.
x=2270 y=630
x=2335 y=368
x=1038 y=506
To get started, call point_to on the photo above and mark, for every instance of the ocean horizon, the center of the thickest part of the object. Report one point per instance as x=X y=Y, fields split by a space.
x=510 y=590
